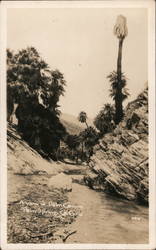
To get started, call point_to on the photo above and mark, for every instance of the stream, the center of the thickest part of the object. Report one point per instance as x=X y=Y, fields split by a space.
x=106 y=219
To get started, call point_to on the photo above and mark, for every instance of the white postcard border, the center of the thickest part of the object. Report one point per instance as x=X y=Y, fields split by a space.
x=150 y=5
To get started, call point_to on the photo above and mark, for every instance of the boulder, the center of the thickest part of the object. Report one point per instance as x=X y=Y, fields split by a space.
x=61 y=181
x=92 y=180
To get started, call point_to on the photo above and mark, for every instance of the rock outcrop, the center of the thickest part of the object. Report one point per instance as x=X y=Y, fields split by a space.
x=120 y=163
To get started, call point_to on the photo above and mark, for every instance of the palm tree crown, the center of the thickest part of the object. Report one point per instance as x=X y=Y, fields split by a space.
x=83 y=117
x=120 y=28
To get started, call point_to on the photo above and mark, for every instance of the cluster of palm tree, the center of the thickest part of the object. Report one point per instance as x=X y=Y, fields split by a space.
x=104 y=121
x=79 y=147
x=34 y=89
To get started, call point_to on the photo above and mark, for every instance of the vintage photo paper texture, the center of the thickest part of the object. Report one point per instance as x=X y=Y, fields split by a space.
x=77 y=125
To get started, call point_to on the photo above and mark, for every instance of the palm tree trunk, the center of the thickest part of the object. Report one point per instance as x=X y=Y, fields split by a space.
x=118 y=99
x=86 y=124
x=82 y=153
x=119 y=61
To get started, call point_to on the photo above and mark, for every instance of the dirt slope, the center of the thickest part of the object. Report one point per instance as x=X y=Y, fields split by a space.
x=37 y=208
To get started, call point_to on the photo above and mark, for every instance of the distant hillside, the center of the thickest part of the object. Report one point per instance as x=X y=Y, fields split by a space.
x=72 y=124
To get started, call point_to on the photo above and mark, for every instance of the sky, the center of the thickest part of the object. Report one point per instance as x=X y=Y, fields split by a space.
x=81 y=44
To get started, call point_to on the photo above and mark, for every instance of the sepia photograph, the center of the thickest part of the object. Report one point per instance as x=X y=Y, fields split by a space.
x=78 y=111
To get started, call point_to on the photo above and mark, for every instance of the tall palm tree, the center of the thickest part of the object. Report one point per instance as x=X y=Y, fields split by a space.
x=121 y=31
x=83 y=117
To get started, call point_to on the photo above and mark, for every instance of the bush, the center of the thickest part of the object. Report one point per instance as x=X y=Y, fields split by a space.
x=104 y=121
